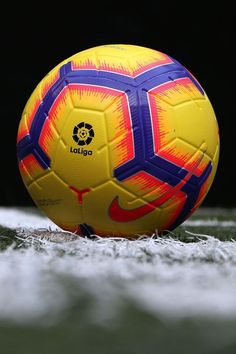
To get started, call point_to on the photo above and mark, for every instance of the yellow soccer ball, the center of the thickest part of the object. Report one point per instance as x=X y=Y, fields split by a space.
x=118 y=140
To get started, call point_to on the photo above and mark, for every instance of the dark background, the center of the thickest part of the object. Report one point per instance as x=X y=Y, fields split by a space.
x=34 y=40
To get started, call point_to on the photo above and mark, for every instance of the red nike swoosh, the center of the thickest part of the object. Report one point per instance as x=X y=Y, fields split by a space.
x=117 y=213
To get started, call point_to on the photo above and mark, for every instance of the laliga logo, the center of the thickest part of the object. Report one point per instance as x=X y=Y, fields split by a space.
x=83 y=134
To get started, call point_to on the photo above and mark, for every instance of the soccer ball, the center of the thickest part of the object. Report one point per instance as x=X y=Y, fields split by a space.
x=118 y=140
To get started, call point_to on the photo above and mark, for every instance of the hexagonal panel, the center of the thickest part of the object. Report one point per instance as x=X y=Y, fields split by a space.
x=87 y=164
x=196 y=124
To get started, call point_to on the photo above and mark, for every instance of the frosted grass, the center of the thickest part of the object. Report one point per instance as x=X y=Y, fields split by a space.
x=17 y=218
x=210 y=222
x=43 y=281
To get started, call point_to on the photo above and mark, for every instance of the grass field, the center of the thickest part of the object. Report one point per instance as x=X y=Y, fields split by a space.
x=61 y=294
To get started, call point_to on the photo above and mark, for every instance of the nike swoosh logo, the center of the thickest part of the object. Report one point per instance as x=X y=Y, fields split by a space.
x=117 y=213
